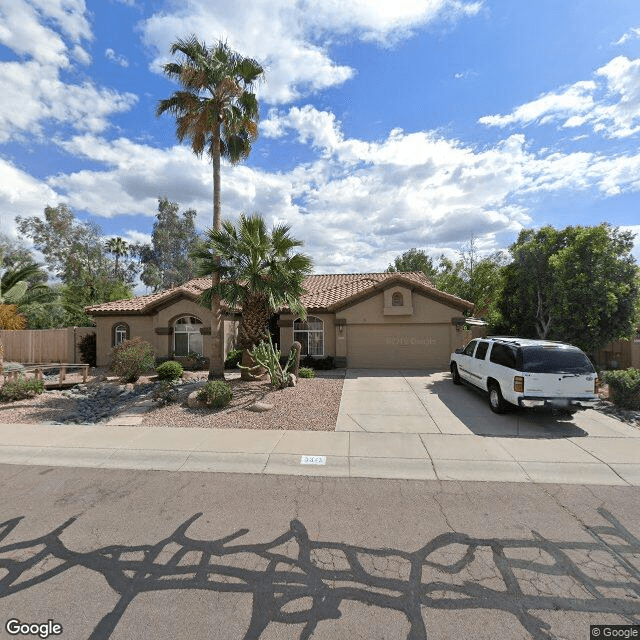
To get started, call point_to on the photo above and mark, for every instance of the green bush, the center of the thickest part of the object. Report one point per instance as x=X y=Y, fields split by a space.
x=170 y=370
x=319 y=364
x=624 y=386
x=87 y=348
x=20 y=389
x=305 y=372
x=215 y=393
x=233 y=359
x=166 y=393
x=131 y=358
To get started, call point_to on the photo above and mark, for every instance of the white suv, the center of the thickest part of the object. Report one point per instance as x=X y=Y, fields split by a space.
x=527 y=373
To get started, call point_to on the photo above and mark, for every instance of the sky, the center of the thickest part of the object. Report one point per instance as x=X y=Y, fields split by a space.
x=384 y=126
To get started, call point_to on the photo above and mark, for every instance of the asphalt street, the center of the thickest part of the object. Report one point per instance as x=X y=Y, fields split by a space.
x=139 y=554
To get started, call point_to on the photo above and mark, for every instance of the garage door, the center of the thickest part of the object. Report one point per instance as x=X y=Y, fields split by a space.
x=398 y=346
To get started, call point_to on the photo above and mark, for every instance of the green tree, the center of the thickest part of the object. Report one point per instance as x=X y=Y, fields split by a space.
x=470 y=277
x=413 y=260
x=217 y=111
x=258 y=273
x=75 y=253
x=166 y=262
x=579 y=285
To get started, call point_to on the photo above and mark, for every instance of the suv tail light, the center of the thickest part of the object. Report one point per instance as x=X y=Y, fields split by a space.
x=518 y=384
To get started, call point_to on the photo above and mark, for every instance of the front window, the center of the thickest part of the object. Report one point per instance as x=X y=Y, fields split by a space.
x=310 y=334
x=186 y=336
x=120 y=332
x=396 y=300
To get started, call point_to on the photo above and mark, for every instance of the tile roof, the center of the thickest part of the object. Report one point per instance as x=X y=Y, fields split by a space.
x=323 y=292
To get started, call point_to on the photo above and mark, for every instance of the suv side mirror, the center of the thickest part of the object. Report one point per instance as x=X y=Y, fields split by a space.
x=460 y=350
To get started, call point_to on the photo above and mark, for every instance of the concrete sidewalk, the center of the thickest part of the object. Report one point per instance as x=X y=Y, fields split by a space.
x=605 y=460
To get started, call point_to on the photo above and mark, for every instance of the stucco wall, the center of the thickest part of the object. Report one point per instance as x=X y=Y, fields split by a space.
x=377 y=316
x=286 y=332
x=157 y=329
x=371 y=310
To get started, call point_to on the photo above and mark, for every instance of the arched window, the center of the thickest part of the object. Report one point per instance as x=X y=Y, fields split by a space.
x=310 y=334
x=119 y=333
x=397 y=300
x=186 y=336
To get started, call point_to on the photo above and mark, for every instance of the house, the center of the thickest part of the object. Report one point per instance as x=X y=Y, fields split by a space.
x=364 y=320
x=171 y=320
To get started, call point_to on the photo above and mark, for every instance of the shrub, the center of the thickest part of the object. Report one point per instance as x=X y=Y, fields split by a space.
x=305 y=372
x=20 y=389
x=131 y=358
x=625 y=387
x=319 y=364
x=169 y=370
x=13 y=366
x=215 y=393
x=87 y=348
x=233 y=359
x=166 y=393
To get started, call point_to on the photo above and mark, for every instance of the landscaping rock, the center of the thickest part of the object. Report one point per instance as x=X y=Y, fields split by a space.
x=194 y=402
x=260 y=407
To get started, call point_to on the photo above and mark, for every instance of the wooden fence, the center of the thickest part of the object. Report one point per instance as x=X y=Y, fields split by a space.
x=43 y=345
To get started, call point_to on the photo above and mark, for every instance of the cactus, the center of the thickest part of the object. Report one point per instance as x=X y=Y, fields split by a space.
x=266 y=355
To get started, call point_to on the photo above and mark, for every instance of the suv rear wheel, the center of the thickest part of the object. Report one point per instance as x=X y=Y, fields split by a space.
x=455 y=376
x=496 y=401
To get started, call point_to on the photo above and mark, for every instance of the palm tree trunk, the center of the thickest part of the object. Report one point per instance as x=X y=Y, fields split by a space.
x=216 y=362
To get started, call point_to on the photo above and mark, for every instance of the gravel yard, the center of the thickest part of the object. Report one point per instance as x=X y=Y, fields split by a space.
x=312 y=405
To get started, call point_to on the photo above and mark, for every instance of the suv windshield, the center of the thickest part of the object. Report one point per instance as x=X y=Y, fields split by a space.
x=555 y=360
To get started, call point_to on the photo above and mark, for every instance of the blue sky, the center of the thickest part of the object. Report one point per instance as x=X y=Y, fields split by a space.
x=384 y=125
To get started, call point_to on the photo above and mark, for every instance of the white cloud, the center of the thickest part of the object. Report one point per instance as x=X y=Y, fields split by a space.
x=33 y=94
x=292 y=39
x=21 y=195
x=24 y=28
x=359 y=203
x=632 y=34
x=610 y=104
x=47 y=35
x=119 y=59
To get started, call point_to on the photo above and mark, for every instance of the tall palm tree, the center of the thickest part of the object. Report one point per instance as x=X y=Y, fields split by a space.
x=258 y=272
x=218 y=112
x=119 y=248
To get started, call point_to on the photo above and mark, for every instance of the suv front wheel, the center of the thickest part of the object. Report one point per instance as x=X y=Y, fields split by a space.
x=455 y=376
x=496 y=401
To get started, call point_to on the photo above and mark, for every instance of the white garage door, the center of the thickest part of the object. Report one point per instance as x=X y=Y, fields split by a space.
x=398 y=346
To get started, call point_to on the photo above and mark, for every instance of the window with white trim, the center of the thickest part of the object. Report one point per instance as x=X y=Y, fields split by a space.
x=186 y=336
x=310 y=334
x=120 y=334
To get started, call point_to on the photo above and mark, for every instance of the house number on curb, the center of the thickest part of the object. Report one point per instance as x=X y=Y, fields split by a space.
x=313 y=460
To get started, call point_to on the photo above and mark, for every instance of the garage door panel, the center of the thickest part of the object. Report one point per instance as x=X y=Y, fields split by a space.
x=398 y=346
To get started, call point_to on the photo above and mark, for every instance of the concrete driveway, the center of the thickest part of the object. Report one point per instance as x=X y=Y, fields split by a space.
x=416 y=411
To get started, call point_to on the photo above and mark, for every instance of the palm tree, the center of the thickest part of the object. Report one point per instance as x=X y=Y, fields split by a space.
x=14 y=290
x=218 y=112
x=258 y=273
x=119 y=248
